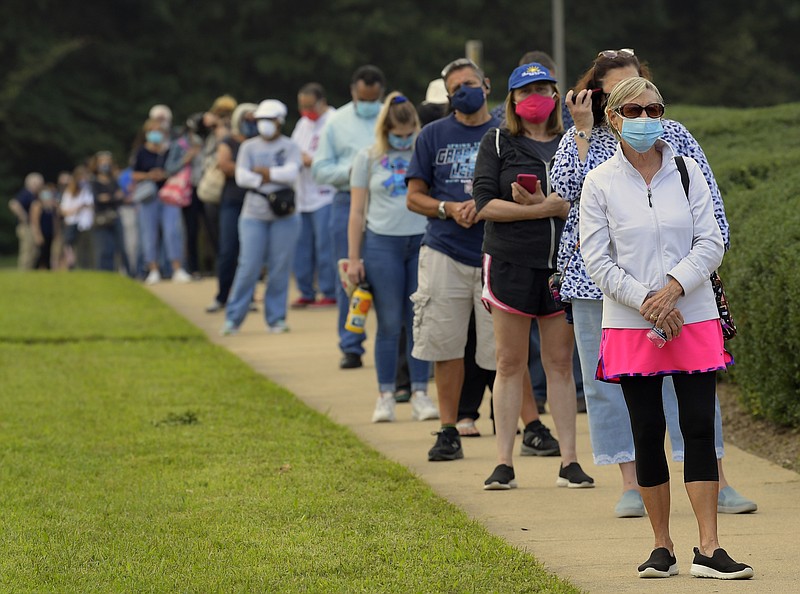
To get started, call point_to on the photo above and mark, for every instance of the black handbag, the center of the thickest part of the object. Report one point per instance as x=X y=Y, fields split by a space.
x=280 y=201
x=725 y=316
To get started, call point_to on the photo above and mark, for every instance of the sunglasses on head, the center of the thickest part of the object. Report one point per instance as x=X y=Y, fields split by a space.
x=620 y=53
x=456 y=64
x=398 y=99
x=634 y=110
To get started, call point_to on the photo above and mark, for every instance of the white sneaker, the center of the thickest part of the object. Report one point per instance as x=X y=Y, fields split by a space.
x=153 y=278
x=422 y=408
x=181 y=276
x=384 y=408
x=278 y=327
x=229 y=329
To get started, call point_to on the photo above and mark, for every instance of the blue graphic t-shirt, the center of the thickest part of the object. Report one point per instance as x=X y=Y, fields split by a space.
x=444 y=158
x=384 y=176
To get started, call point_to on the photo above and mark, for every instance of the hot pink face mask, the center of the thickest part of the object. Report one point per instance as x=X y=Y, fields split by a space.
x=535 y=108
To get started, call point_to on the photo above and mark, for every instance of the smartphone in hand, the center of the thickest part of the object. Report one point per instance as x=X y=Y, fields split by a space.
x=527 y=181
x=596 y=93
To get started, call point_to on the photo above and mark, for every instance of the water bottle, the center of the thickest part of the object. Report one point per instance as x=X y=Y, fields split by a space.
x=360 y=303
x=657 y=336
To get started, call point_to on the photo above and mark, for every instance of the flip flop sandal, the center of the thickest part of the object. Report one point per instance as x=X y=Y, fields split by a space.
x=467 y=428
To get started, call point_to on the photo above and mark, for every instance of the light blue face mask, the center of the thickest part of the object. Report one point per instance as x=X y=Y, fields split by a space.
x=368 y=109
x=641 y=133
x=401 y=143
x=155 y=136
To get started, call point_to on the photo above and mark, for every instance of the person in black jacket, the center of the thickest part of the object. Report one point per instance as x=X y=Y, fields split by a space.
x=520 y=245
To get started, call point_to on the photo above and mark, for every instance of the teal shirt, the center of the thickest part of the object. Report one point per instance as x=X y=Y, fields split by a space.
x=343 y=136
x=384 y=177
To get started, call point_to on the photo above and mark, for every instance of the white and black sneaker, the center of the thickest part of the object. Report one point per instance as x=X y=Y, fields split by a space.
x=719 y=566
x=660 y=565
x=501 y=479
x=573 y=477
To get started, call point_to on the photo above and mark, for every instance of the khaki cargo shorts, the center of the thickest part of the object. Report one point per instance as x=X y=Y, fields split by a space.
x=447 y=293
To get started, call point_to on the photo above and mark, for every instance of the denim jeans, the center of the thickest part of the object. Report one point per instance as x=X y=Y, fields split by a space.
x=107 y=242
x=229 y=211
x=155 y=216
x=391 y=265
x=267 y=244
x=314 y=254
x=349 y=342
x=609 y=423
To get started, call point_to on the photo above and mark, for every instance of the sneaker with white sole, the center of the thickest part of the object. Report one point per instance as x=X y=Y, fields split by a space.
x=572 y=476
x=181 y=276
x=229 y=329
x=153 y=278
x=630 y=505
x=501 y=479
x=730 y=502
x=719 y=566
x=384 y=408
x=278 y=327
x=422 y=408
x=660 y=565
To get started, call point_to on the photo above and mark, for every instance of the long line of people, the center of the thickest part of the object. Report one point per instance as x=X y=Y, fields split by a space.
x=401 y=204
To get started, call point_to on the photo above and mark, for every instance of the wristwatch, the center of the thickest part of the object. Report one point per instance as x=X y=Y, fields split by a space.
x=442 y=212
x=584 y=136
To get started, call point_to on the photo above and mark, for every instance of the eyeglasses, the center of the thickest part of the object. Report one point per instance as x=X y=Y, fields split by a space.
x=634 y=110
x=398 y=99
x=620 y=53
x=456 y=64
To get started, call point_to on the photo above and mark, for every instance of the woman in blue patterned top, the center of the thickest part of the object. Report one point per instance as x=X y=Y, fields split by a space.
x=585 y=146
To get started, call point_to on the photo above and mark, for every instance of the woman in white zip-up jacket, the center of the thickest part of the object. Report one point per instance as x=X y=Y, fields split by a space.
x=650 y=248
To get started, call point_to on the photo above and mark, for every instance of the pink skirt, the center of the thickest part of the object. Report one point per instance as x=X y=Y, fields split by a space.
x=626 y=352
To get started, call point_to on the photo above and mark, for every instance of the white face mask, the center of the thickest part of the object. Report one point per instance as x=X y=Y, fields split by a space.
x=267 y=128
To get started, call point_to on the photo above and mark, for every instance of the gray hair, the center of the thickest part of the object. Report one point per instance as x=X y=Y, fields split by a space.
x=34 y=182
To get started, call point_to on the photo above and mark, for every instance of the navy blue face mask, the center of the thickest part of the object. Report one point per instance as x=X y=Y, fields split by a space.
x=248 y=128
x=468 y=100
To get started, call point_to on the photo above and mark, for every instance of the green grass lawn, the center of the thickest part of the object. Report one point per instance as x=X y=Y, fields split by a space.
x=139 y=457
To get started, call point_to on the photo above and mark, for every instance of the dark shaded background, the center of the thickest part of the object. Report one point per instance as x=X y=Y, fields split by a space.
x=76 y=77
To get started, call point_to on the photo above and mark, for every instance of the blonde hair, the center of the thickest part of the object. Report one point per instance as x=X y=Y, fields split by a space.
x=396 y=110
x=625 y=91
x=555 y=123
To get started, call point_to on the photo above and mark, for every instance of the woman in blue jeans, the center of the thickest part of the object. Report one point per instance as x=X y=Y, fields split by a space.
x=390 y=250
x=266 y=163
x=585 y=146
x=243 y=126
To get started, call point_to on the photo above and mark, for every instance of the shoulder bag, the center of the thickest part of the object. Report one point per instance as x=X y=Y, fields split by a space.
x=177 y=190
x=729 y=330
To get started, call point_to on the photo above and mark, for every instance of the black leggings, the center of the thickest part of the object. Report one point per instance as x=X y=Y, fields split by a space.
x=696 y=399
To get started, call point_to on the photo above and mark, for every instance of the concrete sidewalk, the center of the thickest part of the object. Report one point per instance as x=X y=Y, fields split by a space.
x=573 y=532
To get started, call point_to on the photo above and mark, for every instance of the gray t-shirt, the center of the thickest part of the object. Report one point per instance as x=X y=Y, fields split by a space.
x=284 y=159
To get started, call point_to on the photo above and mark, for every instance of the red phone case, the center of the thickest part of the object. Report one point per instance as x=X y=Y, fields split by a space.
x=527 y=181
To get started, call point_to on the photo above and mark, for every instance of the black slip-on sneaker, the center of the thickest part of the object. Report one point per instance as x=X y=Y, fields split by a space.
x=719 y=566
x=660 y=565
x=501 y=479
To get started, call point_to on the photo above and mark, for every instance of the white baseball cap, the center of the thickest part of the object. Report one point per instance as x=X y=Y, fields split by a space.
x=272 y=109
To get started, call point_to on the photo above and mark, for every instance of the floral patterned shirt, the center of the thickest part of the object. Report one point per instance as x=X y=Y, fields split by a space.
x=567 y=178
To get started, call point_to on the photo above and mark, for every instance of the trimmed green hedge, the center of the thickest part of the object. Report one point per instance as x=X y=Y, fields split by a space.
x=755 y=155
